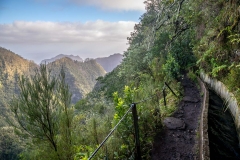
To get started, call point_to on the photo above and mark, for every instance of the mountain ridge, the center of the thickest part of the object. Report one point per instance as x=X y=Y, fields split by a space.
x=73 y=57
x=81 y=76
x=108 y=63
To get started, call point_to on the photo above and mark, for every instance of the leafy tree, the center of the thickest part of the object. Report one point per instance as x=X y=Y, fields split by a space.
x=42 y=111
x=171 y=68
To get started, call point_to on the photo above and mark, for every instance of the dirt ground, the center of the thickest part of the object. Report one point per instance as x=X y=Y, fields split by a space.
x=180 y=144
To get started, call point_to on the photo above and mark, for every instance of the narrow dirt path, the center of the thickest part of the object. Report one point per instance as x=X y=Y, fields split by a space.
x=179 y=143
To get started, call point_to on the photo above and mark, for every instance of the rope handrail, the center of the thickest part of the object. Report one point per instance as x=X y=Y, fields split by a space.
x=93 y=154
x=131 y=107
x=114 y=128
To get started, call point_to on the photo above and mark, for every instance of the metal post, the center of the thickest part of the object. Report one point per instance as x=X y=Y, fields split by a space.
x=106 y=156
x=164 y=97
x=135 y=122
x=171 y=90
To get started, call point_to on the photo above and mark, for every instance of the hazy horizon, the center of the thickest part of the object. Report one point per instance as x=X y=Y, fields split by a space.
x=42 y=29
x=40 y=60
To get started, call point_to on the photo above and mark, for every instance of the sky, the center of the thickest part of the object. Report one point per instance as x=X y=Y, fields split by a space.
x=42 y=29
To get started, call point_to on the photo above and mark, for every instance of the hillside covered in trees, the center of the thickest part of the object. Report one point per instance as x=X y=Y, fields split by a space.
x=171 y=38
x=80 y=76
x=11 y=66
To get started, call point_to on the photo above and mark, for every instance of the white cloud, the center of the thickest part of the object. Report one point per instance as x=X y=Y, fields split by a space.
x=40 y=40
x=51 y=32
x=114 y=4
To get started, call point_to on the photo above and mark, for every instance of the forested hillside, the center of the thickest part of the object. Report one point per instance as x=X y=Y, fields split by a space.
x=108 y=63
x=172 y=38
x=80 y=76
x=216 y=46
x=11 y=65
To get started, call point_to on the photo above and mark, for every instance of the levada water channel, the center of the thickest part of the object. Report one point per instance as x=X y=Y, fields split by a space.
x=223 y=141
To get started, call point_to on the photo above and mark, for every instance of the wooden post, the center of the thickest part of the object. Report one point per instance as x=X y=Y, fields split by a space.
x=137 y=141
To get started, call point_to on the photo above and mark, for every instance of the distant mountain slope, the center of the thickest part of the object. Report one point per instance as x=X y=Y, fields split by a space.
x=11 y=65
x=80 y=76
x=108 y=63
x=75 y=58
x=111 y=62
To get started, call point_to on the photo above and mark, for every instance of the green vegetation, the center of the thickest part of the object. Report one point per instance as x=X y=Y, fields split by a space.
x=43 y=113
x=217 y=42
x=11 y=65
x=80 y=76
x=10 y=144
x=171 y=38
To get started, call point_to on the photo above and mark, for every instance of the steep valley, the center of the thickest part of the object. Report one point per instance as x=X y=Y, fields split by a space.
x=80 y=76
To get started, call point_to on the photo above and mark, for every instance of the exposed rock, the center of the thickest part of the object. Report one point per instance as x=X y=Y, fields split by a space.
x=174 y=123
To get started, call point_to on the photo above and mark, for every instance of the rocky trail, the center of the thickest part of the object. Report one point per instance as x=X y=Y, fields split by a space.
x=178 y=139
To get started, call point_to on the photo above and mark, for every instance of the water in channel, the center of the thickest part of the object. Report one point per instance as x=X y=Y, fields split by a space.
x=223 y=141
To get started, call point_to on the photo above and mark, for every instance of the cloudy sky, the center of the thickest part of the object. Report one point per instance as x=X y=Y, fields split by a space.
x=42 y=29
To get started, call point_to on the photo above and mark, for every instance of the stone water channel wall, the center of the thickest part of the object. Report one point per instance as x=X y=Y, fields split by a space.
x=226 y=95
x=204 y=153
